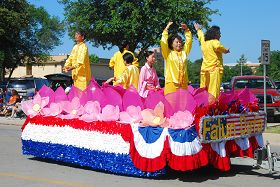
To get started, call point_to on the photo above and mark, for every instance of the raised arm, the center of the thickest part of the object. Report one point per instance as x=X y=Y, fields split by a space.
x=164 y=41
x=188 y=36
x=200 y=34
x=220 y=48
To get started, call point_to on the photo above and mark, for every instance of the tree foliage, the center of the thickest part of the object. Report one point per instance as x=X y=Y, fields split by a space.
x=273 y=68
x=93 y=59
x=194 y=71
x=26 y=33
x=108 y=23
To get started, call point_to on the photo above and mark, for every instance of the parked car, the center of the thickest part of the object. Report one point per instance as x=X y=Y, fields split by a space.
x=256 y=85
x=59 y=79
x=225 y=87
x=277 y=83
x=27 y=85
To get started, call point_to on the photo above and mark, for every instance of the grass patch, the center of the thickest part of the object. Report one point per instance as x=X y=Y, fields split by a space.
x=275 y=129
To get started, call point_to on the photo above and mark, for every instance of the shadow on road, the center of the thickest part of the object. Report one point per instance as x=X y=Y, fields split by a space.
x=197 y=176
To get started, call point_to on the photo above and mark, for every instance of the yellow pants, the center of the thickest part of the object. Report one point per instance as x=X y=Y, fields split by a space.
x=171 y=87
x=212 y=81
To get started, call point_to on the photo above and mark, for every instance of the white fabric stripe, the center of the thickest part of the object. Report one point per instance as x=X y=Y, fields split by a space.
x=147 y=150
x=92 y=140
x=259 y=139
x=243 y=143
x=219 y=147
x=183 y=149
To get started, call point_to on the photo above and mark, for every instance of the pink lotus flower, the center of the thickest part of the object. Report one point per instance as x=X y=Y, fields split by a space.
x=131 y=115
x=32 y=107
x=181 y=120
x=110 y=113
x=92 y=111
x=73 y=109
x=154 y=117
x=54 y=110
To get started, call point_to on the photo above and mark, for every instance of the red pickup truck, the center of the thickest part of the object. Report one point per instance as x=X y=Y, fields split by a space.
x=256 y=85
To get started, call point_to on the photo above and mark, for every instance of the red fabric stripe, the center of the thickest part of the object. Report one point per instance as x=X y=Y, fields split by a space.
x=109 y=127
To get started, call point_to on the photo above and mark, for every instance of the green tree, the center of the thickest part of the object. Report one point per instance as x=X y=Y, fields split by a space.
x=194 y=71
x=108 y=23
x=27 y=33
x=93 y=59
x=272 y=69
x=241 y=62
x=228 y=74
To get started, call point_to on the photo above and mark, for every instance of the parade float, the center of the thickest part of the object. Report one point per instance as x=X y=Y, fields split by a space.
x=115 y=130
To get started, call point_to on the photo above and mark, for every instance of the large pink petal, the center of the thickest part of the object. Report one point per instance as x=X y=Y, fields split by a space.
x=59 y=95
x=154 y=98
x=125 y=117
x=54 y=110
x=66 y=106
x=110 y=113
x=181 y=100
x=26 y=106
x=181 y=120
x=75 y=103
x=132 y=97
x=135 y=113
x=46 y=91
x=246 y=96
x=37 y=99
x=159 y=109
x=74 y=92
x=92 y=107
x=148 y=116
x=44 y=102
x=115 y=98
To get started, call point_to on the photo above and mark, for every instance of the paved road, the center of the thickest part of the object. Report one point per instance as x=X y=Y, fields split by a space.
x=19 y=170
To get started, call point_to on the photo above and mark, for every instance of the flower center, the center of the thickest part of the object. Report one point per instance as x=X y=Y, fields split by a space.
x=156 y=120
x=74 y=112
x=36 y=107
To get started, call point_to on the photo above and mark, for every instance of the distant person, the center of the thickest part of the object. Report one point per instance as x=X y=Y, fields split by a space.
x=78 y=62
x=12 y=101
x=117 y=62
x=130 y=76
x=18 y=107
x=212 y=65
x=175 y=55
x=148 y=79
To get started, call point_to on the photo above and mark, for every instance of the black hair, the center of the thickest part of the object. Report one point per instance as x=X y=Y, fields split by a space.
x=123 y=45
x=213 y=33
x=128 y=58
x=172 y=38
x=82 y=33
x=148 y=53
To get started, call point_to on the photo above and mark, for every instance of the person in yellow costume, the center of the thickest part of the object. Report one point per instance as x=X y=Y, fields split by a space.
x=175 y=56
x=130 y=76
x=117 y=62
x=78 y=62
x=212 y=64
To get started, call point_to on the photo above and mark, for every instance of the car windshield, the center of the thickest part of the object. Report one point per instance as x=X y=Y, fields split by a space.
x=253 y=83
x=21 y=84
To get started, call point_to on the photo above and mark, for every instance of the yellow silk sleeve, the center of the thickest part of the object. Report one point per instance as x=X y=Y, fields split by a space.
x=200 y=36
x=112 y=61
x=69 y=61
x=188 y=43
x=219 y=47
x=164 y=44
x=83 y=51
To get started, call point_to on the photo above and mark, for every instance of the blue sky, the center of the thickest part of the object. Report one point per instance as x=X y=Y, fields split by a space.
x=244 y=23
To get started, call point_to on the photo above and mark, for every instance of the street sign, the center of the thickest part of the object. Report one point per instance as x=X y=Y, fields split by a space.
x=265 y=57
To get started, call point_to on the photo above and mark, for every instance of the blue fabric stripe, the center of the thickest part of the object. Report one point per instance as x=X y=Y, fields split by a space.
x=182 y=135
x=110 y=162
x=150 y=134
